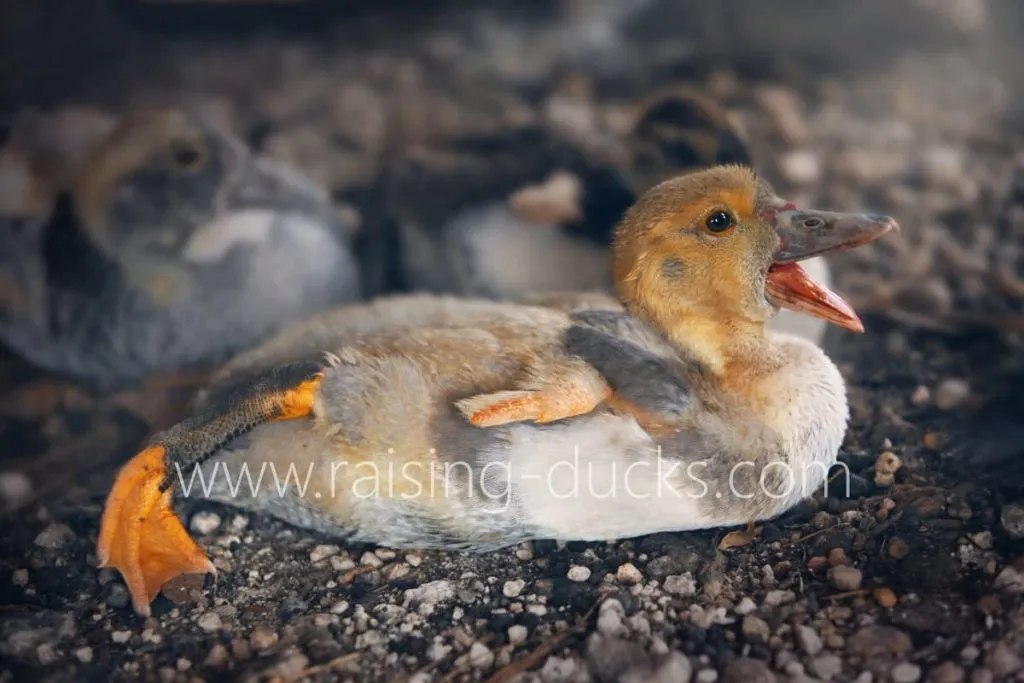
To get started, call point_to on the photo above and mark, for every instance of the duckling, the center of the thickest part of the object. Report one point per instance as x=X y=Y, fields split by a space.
x=437 y=422
x=175 y=247
x=524 y=211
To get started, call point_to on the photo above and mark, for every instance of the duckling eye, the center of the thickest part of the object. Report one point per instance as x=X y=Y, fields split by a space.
x=720 y=221
x=186 y=155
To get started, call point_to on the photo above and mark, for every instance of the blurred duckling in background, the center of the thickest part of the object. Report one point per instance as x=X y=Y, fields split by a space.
x=439 y=422
x=524 y=212
x=173 y=247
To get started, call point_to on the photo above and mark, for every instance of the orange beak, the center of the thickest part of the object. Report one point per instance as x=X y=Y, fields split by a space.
x=805 y=234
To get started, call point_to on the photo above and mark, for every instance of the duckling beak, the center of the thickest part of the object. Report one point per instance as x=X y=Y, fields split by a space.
x=806 y=234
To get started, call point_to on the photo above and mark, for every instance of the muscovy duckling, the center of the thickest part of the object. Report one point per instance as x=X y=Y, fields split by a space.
x=175 y=247
x=475 y=424
x=527 y=211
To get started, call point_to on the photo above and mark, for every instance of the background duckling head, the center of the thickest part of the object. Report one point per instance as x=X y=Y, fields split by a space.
x=711 y=256
x=165 y=185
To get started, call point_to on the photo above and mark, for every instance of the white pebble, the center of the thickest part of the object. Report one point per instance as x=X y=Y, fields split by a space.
x=800 y=167
x=681 y=584
x=745 y=606
x=905 y=673
x=15 y=489
x=480 y=656
x=209 y=622
x=339 y=607
x=370 y=560
x=205 y=523
x=84 y=654
x=121 y=637
x=322 y=552
x=513 y=589
x=951 y=393
x=578 y=573
x=517 y=634
x=628 y=574
x=413 y=560
x=778 y=597
x=19 y=577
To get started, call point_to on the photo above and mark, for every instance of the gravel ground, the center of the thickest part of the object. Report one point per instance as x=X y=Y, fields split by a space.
x=916 y=575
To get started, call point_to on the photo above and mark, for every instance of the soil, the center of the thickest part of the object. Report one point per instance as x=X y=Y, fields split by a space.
x=917 y=574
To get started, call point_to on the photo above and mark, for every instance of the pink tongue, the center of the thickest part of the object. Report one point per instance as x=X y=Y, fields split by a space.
x=789 y=286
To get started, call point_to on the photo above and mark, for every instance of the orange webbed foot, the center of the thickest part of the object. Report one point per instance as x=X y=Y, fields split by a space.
x=541 y=406
x=141 y=536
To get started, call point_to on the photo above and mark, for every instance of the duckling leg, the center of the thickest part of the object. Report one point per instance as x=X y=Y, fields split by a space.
x=140 y=535
x=569 y=389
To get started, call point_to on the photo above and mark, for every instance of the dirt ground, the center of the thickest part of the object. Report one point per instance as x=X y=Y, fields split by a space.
x=918 y=576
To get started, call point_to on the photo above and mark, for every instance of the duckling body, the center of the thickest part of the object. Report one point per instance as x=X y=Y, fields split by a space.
x=175 y=247
x=437 y=422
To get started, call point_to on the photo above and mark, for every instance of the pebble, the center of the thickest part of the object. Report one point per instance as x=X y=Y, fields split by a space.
x=121 y=637
x=672 y=669
x=217 y=657
x=55 y=536
x=921 y=396
x=430 y=594
x=951 y=393
x=480 y=656
x=1012 y=519
x=837 y=557
x=262 y=638
x=808 y=639
x=755 y=627
x=875 y=642
x=578 y=573
x=898 y=548
x=826 y=666
x=947 y=672
x=747 y=670
x=905 y=672
x=371 y=560
x=982 y=675
x=888 y=463
x=205 y=523
x=846 y=578
x=745 y=606
x=513 y=589
x=706 y=676
x=19 y=577
x=800 y=167
x=680 y=584
x=339 y=607
x=413 y=560
x=609 y=618
x=779 y=597
x=518 y=634
x=885 y=597
x=15 y=489
x=322 y=552
x=46 y=654
x=1002 y=661
x=628 y=574
x=83 y=654
x=209 y=622
x=1010 y=580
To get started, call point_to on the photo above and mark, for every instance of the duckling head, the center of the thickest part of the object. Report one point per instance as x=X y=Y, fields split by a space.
x=161 y=175
x=710 y=257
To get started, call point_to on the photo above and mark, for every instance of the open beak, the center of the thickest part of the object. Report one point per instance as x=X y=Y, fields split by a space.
x=805 y=234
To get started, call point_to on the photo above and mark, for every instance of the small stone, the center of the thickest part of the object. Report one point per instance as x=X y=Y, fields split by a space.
x=628 y=574
x=846 y=578
x=905 y=672
x=183 y=664
x=121 y=637
x=947 y=672
x=943 y=165
x=209 y=622
x=745 y=606
x=1010 y=580
x=826 y=666
x=808 y=640
x=1012 y=519
x=524 y=554
x=83 y=654
x=517 y=634
x=885 y=597
x=933 y=441
x=205 y=523
x=800 y=167
x=672 y=669
x=322 y=552
x=217 y=657
x=921 y=396
x=339 y=607
x=371 y=560
x=262 y=638
x=982 y=539
x=413 y=560
x=884 y=480
x=876 y=642
x=755 y=627
x=706 y=676
x=747 y=670
x=429 y=595
x=837 y=557
x=513 y=589
x=55 y=537
x=982 y=675
x=19 y=577
x=680 y=584
x=951 y=393
x=898 y=548
x=46 y=654
x=779 y=597
x=578 y=573
x=1002 y=661
x=480 y=656
x=15 y=489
